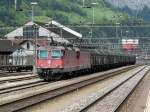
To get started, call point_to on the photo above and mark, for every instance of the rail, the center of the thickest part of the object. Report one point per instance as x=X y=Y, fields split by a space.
x=19 y=101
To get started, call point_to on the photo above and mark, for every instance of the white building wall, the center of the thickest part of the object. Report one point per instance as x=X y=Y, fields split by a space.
x=24 y=46
x=24 y=57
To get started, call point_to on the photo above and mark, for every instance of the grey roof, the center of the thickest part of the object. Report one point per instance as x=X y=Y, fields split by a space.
x=19 y=31
x=7 y=46
x=54 y=29
x=60 y=29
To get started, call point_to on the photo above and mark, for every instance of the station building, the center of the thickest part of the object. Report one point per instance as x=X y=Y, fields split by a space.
x=23 y=38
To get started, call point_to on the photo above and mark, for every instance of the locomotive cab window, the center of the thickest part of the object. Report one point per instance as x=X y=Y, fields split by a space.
x=57 y=54
x=43 y=54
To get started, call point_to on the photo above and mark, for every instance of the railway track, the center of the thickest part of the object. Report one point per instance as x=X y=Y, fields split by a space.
x=17 y=78
x=106 y=99
x=29 y=96
x=85 y=99
x=14 y=86
x=7 y=74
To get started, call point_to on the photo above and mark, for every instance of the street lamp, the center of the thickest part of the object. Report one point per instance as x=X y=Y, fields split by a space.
x=94 y=3
x=93 y=15
x=35 y=34
x=93 y=20
x=33 y=4
x=83 y=1
x=15 y=4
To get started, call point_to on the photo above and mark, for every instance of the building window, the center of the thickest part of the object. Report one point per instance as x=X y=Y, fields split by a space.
x=30 y=32
x=28 y=45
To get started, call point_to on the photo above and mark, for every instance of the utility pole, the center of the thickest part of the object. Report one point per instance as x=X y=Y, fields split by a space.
x=33 y=4
x=117 y=25
x=15 y=2
x=93 y=15
x=83 y=1
x=35 y=38
x=93 y=20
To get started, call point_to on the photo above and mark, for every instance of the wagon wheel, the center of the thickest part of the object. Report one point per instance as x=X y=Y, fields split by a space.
x=47 y=76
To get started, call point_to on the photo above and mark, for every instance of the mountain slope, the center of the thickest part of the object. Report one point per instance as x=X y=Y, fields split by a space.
x=64 y=11
x=137 y=8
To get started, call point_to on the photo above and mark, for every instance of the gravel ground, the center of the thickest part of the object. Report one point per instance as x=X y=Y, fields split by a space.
x=137 y=100
x=63 y=102
x=147 y=109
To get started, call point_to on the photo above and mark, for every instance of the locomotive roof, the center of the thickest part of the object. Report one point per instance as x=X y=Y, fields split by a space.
x=52 y=47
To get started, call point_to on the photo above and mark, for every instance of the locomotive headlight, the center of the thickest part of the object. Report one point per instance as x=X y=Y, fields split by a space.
x=41 y=65
x=57 y=66
x=49 y=62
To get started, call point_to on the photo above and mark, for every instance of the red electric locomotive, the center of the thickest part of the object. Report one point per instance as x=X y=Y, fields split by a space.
x=55 y=61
